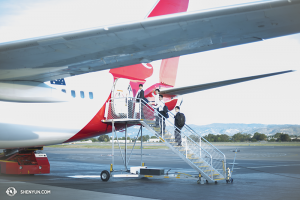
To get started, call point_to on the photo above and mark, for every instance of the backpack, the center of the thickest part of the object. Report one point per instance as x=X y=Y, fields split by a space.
x=166 y=110
x=181 y=120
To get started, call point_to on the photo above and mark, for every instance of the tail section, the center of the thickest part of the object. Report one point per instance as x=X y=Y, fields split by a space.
x=168 y=68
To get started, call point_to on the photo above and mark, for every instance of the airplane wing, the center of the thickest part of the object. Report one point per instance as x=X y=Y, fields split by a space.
x=73 y=53
x=197 y=88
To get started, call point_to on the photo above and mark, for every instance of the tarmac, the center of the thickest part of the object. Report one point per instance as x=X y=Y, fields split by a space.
x=259 y=173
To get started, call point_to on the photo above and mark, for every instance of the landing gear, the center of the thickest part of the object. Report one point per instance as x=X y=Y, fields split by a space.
x=105 y=175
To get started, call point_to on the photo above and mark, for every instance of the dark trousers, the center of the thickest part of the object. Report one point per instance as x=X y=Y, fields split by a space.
x=177 y=134
x=142 y=111
x=157 y=118
x=162 y=122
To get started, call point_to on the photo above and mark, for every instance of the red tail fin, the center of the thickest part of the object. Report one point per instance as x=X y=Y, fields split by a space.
x=168 y=68
x=168 y=71
x=165 y=7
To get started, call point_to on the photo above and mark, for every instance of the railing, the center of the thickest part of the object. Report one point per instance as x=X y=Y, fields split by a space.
x=124 y=108
x=196 y=150
x=219 y=159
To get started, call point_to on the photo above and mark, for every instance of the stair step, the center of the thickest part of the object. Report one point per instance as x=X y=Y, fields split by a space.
x=219 y=179
x=198 y=162
x=193 y=158
x=216 y=174
x=203 y=166
x=208 y=170
x=150 y=122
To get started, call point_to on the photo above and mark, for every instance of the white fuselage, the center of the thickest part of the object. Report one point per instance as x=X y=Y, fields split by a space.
x=38 y=124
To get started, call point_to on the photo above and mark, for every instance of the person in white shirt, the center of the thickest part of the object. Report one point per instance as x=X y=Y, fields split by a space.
x=160 y=107
x=156 y=96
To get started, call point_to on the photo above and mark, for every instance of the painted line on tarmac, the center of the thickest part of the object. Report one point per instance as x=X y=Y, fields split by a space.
x=84 y=176
x=274 y=166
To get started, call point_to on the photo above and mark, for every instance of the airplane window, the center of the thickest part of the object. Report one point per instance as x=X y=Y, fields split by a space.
x=73 y=93
x=64 y=91
x=82 y=94
x=91 y=95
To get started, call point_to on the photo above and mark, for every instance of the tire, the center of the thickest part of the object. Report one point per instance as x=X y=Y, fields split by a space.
x=231 y=181
x=104 y=175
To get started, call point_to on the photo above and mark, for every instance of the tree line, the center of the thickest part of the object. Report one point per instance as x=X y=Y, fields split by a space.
x=244 y=137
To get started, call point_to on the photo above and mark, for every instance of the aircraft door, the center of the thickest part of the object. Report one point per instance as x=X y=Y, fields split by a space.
x=122 y=97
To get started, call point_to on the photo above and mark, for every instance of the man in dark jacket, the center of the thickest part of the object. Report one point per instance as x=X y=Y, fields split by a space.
x=178 y=128
x=140 y=95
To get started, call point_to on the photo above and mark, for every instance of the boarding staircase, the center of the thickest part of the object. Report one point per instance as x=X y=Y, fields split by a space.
x=196 y=151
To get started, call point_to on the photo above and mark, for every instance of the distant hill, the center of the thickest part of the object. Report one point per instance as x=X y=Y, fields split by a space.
x=231 y=129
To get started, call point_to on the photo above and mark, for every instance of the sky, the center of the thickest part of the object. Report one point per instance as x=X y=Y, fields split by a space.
x=273 y=100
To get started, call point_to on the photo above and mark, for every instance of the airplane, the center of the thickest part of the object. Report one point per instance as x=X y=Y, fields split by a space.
x=54 y=89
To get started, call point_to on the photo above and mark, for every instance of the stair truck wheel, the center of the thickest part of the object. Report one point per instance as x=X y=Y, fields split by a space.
x=105 y=175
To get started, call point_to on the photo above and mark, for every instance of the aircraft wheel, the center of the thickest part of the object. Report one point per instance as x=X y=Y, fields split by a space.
x=105 y=175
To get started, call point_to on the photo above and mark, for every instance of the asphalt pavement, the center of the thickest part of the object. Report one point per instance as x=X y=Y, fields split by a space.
x=259 y=173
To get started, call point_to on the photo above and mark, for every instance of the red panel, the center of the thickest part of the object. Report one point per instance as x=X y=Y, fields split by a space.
x=25 y=163
x=165 y=7
x=168 y=71
x=171 y=104
x=135 y=72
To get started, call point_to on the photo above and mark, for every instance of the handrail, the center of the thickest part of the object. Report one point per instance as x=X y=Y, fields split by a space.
x=166 y=119
x=188 y=128
x=199 y=136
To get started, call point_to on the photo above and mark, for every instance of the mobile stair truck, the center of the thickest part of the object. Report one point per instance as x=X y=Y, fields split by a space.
x=208 y=161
